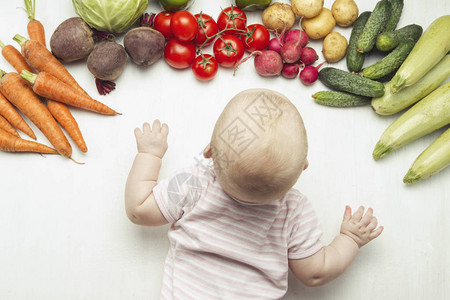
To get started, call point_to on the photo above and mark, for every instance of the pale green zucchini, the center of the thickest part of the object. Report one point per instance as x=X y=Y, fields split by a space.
x=390 y=103
x=427 y=115
x=431 y=47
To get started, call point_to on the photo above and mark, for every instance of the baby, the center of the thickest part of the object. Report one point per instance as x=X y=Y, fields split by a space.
x=238 y=225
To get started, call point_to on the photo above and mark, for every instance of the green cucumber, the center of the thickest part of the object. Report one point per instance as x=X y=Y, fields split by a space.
x=390 y=62
x=374 y=26
x=431 y=47
x=352 y=83
x=396 y=12
x=389 y=103
x=340 y=99
x=355 y=60
x=426 y=116
x=387 y=41
x=431 y=161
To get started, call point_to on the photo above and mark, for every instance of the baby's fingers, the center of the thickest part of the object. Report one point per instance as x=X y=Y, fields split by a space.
x=137 y=132
x=358 y=214
x=156 y=126
x=367 y=217
x=376 y=233
x=373 y=224
x=165 y=129
x=146 y=128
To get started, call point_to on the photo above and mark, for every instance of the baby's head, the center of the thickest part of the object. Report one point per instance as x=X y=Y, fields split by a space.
x=258 y=146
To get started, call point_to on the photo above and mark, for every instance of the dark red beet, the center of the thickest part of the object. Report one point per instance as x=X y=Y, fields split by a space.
x=309 y=56
x=310 y=74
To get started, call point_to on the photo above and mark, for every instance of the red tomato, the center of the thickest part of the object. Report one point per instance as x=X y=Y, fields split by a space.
x=207 y=28
x=162 y=23
x=205 y=67
x=256 y=39
x=184 y=26
x=179 y=55
x=228 y=50
x=232 y=17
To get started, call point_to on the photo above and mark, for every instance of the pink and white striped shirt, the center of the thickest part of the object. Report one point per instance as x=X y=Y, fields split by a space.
x=224 y=249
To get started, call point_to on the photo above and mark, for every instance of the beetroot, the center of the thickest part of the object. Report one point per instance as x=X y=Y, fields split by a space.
x=267 y=62
x=290 y=70
x=310 y=74
x=309 y=56
x=293 y=35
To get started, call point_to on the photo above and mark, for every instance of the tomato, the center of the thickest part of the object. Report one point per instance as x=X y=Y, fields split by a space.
x=179 y=55
x=162 y=23
x=232 y=17
x=184 y=26
x=228 y=50
x=205 y=67
x=256 y=38
x=207 y=28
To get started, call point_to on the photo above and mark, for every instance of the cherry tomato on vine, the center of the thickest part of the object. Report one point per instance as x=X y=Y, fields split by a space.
x=256 y=38
x=228 y=50
x=179 y=55
x=232 y=17
x=207 y=27
x=205 y=67
x=162 y=24
x=184 y=26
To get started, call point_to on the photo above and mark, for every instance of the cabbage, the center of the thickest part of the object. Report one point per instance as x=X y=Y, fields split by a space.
x=110 y=15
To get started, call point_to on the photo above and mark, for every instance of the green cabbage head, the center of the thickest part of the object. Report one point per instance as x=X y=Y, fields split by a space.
x=110 y=15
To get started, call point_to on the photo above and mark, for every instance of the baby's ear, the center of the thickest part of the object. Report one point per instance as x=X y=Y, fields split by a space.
x=207 y=153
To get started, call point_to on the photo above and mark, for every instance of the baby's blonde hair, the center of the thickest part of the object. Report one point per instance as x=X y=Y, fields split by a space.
x=259 y=143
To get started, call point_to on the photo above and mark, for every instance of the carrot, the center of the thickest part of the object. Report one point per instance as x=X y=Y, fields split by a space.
x=62 y=114
x=10 y=114
x=4 y=124
x=48 y=86
x=13 y=56
x=11 y=143
x=18 y=92
x=35 y=28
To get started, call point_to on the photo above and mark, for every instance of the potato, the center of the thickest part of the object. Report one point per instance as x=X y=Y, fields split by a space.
x=277 y=16
x=319 y=26
x=334 y=47
x=344 y=12
x=307 y=8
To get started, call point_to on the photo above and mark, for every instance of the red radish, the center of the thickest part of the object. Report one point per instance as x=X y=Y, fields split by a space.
x=309 y=56
x=290 y=70
x=275 y=44
x=267 y=63
x=310 y=74
x=293 y=35
x=291 y=51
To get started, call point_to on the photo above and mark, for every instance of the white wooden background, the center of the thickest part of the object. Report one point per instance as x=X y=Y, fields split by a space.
x=63 y=229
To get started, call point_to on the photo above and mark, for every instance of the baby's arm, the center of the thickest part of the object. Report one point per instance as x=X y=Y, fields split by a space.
x=140 y=203
x=332 y=260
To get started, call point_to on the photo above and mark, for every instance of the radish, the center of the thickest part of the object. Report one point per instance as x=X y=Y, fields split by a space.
x=292 y=50
x=291 y=70
x=267 y=63
x=293 y=35
x=275 y=44
x=310 y=74
x=309 y=56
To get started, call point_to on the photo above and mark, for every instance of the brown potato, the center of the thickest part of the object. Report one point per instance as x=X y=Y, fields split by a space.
x=307 y=8
x=334 y=47
x=277 y=16
x=319 y=26
x=345 y=12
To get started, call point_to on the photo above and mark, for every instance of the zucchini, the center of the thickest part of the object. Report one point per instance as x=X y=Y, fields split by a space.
x=387 y=41
x=431 y=161
x=374 y=26
x=352 y=83
x=427 y=115
x=396 y=12
x=390 y=63
x=389 y=103
x=340 y=99
x=355 y=60
x=431 y=47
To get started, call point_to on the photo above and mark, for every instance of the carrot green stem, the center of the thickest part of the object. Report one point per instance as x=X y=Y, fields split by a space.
x=20 y=39
x=2 y=45
x=2 y=73
x=30 y=9
x=27 y=75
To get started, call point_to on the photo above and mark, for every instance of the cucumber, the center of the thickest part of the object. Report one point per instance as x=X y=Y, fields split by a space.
x=426 y=116
x=374 y=26
x=352 y=83
x=396 y=12
x=389 y=103
x=390 y=63
x=355 y=60
x=340 y=99
x=431 y=161
x=387 y=41
x=431 y=47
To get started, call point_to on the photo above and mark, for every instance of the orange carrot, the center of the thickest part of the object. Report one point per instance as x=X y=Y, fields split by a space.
x=10 y=114
x=38 y=57
x=35 y=28
x=13 y=56
x=48 y=86
x=62 y=114
x=18 y=92
x=11 y=143
x=4 y=124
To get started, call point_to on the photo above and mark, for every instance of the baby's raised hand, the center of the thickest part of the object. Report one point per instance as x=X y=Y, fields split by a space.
x=152 y=140
x=362 y=228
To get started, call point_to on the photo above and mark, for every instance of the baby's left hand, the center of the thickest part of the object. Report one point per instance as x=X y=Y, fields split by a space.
x=152 y=140
x=362 y=228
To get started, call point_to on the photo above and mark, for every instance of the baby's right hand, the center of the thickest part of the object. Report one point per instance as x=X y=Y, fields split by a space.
x=152 y=140
x=360 y=227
